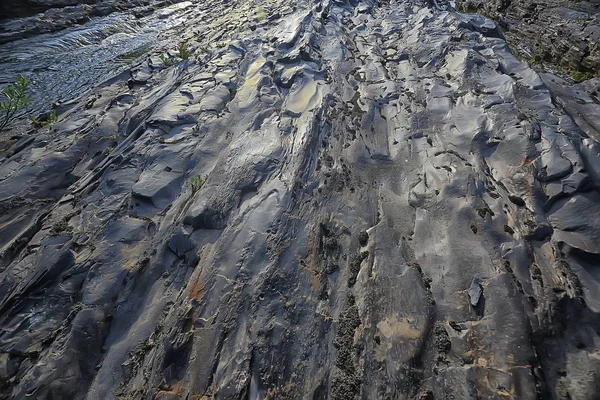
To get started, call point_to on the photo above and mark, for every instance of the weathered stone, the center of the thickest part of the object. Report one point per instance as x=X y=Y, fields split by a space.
x=561 y=32
x=199 y=230
x=475 y=291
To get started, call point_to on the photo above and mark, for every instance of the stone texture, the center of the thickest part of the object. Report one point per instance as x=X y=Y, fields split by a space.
x=20 y=19
x=560 y=32
x=361 y=164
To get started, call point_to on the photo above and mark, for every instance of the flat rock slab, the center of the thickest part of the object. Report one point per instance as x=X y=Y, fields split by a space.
x=157 y=186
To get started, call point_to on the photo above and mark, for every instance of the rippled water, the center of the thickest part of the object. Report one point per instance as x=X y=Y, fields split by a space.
x=64 y=64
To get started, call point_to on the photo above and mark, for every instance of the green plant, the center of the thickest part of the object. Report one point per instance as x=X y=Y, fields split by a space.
x=183 y=51
x=260 y=13
x=581 y=76
x=197 y=182
x=201 y=53
x=110 y=150
x=114 y=137
x=16 y=99
x=45 y=120
x=167 y=60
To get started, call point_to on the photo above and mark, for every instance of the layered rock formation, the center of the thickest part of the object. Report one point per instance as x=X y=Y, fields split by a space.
x=57 y=15
x=565 y=33
x=27 y=8
x=334 y=200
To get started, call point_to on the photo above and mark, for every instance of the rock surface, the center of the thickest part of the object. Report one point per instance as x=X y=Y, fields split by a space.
x=51 y=16
x=27 y=8
x=360 y=163
x=563 y=32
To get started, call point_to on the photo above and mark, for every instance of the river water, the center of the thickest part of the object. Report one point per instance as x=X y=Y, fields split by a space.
x=64 y=64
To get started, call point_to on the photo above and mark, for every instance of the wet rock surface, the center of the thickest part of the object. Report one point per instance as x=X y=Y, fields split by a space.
x=28 y=8
x=327 y=200
x=63 y=64
x=51 y=16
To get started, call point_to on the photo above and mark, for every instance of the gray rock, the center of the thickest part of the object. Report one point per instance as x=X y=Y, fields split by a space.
x=220 y=249
x=475 y=291
x=157 y=186
x=180 y=244
x=557 y=31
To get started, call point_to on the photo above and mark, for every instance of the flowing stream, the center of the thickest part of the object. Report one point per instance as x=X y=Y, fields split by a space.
x=62 y=65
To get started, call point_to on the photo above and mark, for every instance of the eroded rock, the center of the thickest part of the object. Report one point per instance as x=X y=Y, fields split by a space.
x=199 y=230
